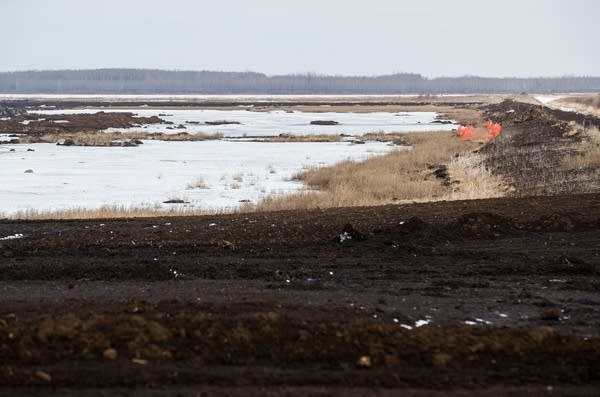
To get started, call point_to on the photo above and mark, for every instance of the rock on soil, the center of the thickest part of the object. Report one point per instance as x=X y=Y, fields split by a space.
x=324 y=122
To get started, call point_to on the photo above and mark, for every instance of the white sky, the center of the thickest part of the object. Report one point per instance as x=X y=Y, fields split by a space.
x=434 y=38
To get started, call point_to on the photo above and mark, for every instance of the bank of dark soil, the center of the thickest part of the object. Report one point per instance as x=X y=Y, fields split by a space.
x=40 y=124
x=529 y=152
x=499 y=295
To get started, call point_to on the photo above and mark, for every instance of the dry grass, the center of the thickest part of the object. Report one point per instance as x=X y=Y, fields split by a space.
x=398 y=138
x=304 y=138
x=108 y=212
x=200 y=183
x=404 y=175
x=588 y=151
x=463 y=116
x=238 y=178
x=107 y=138
x=476 y=180
x=585 y=103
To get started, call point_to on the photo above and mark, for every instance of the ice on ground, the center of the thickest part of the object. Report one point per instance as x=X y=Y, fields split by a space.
x=420 y=323
x=3 y=137
x=13 y=237
x=256 y=124
x=546 y=99
x=157 y=171
x=478 y=321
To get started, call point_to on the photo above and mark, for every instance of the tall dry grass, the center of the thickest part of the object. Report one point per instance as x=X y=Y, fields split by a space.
x=108 y=212
x=587 y=151
x=585 y=103
x=304 y=138
x=106 y=138
x=404 y=175
x=476 y=180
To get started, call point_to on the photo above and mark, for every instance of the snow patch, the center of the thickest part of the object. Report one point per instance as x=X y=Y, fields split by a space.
x=13 y=237
x=345 y=236
x=148 y=175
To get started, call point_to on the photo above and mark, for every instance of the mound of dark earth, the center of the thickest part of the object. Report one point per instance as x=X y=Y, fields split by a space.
x=221 y=122
x=531 y=150
x=324 y=122
x=39 y=124
x=491 y=297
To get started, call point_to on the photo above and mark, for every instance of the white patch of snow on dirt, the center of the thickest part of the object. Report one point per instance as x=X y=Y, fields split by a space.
x=13 y=237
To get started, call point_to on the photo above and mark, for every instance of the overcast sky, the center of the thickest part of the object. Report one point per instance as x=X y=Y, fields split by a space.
x=346 y=37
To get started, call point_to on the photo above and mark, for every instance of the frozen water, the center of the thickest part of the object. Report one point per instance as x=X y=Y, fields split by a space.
x=272 y=123
x=546 y=99
x=207 y=174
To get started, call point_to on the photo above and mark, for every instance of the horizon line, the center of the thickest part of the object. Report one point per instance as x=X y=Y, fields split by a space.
x=304 y=74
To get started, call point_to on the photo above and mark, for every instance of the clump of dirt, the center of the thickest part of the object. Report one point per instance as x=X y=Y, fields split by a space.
x=324 y=122
x=575 y=265
x=221 y=122
x=349 y=233
x=481 y=224
x=414 y=235
x=558 y=222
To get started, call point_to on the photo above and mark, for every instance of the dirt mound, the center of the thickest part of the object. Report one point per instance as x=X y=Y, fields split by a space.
x=481 y=224
x=530 y=151
x=473 y=225
x=575 y=265
x=349 y=233
x=414 y=235
x=324 y=122
x=36 y=124
x=513 y=112
x=221 y=122
x=558 y=222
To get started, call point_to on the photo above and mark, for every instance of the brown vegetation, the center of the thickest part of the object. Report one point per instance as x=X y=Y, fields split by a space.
x=587 y=153
x=407 y=174
x=109 y=212
x=109 y=138
x=304 y=138
x=585 y=103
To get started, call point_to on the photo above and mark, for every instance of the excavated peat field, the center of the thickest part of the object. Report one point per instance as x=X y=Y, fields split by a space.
x=501 y=296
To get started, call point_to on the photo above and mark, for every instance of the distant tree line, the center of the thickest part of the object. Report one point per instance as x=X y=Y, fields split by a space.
x=148 y=81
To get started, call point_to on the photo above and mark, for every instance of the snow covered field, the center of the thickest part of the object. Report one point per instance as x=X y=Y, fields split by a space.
x=274 y=122
x=208 y=174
